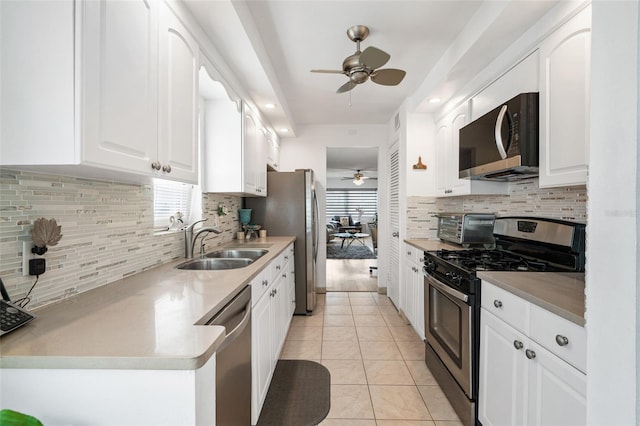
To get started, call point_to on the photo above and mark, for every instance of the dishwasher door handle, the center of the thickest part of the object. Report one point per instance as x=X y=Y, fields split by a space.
x=230 y=337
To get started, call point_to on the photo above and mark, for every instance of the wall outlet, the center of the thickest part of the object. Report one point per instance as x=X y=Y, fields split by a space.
x=26 y=256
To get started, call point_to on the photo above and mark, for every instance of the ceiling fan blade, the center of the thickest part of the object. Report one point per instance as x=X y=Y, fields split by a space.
x=373 y=58
x=346 y=87
x=329 y=71
x=388 y=76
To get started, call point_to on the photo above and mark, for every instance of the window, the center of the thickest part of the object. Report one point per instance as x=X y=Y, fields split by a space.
x=345 y=202
x=171 y=198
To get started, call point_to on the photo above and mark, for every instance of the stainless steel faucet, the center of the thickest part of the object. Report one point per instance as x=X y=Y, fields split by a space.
x=190 y=238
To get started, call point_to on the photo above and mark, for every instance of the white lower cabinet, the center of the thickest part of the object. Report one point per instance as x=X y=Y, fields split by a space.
x=412 y=295
x=521 y=382
x=270 y=318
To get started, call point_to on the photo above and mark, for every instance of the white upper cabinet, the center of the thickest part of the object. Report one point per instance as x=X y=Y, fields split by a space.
x=273 y=151
x=112 y=77
x=119 y=60
x=233 y=144
x=447 y=140
x=565 y=58
x=178 y=103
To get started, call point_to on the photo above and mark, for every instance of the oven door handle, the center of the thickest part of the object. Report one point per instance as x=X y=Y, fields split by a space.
x=446 y=289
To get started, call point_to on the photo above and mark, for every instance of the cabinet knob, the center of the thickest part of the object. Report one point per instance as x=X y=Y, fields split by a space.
x=277 y=267
x=497 y=303
x=395 y=234
x=409 y=253
x=518 y=344
x=284 y=275
x=166 y=168
x=562 y=340
x=272 y=293
x=156 y=165
x=530 y=354
x=265 y=283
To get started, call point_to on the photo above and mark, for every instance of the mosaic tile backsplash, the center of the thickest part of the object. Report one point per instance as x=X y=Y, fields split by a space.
x=525 y=199
x=107 y=232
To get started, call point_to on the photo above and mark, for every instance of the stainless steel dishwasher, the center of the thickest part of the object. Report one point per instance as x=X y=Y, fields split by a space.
x=233 y=362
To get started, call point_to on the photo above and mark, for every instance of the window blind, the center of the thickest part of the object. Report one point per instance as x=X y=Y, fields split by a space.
x=345 y=202
x=170 y=197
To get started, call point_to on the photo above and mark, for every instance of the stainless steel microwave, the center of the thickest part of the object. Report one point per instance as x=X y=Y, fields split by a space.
x=503 y=144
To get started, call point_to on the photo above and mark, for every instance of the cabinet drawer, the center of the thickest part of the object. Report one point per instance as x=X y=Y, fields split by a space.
x=277 y=266
x=259 y=285
x=560 y=336
x=506 y=306
x=413 y=254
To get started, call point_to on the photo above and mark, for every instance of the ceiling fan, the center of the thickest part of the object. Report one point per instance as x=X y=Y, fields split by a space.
x=358 y=178
x=361 y=66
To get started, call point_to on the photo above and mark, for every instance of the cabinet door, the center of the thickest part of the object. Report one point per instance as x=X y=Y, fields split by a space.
x=249 y=143
x=501 y=394
x=260 y=162
x=459 y=119
x=178 y=102
x=261 y=354
x=120 y=84
x=273 y=151
x=442 y=155
x=419 y=301
x=564 y=103
x=37 y=105
x=557 y=391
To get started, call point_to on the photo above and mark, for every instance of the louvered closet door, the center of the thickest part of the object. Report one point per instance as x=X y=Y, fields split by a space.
x=394 y=226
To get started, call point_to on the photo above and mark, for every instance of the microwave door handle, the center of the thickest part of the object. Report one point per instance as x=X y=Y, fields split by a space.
x=498 y=132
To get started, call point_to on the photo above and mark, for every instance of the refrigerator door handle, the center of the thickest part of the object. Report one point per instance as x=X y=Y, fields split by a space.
x=315 y=227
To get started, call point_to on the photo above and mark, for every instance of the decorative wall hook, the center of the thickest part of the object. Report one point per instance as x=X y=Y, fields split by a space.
x=45 y=232
x=419 y=165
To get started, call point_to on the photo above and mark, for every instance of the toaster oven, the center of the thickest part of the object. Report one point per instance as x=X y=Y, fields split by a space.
x=466 y=229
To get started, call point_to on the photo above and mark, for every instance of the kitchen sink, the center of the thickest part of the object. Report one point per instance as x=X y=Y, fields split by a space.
x=252 y=254
x=215 y=264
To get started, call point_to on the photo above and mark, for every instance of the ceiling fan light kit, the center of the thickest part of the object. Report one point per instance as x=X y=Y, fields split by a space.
x=362 y=66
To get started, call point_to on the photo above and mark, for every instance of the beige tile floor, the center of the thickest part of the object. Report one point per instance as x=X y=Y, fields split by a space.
x=378 y=374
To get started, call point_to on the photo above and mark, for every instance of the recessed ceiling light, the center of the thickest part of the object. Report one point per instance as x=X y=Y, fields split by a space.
x=284 y=130
x=434 y=100
x=270 y=106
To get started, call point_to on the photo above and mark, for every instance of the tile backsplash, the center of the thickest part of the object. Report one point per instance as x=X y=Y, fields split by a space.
x=525 y=199
x=107 y=232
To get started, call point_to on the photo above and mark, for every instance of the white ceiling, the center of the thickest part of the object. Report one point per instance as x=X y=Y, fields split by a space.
x=271 y=46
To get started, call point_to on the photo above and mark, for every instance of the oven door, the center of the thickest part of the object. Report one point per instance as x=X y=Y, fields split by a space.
x=448 y=316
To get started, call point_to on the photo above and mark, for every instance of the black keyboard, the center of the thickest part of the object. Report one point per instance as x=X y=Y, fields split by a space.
x=12 y=317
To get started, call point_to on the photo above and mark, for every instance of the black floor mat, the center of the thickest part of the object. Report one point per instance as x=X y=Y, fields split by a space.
x=299 y=394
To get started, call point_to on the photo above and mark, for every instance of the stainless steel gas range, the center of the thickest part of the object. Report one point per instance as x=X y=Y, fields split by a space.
x=452 y=295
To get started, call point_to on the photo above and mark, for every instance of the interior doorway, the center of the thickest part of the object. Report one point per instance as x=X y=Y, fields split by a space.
x=351 y=212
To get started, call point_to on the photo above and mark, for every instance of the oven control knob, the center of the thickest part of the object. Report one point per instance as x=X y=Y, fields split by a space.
x=454 y=277
x=430 y=265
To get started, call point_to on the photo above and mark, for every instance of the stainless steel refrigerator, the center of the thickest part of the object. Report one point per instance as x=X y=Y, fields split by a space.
x=291 y=208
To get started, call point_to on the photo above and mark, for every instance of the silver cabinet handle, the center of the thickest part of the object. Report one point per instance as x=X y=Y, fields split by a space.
x=409 y=253
x=518 y=344
x=277 y=267
x=530 y=354
x=284 y=275
x=265 y=283
x=156 y=165
x=166 y=168
x=562 y=340
x=395 y=234
x=497 y=303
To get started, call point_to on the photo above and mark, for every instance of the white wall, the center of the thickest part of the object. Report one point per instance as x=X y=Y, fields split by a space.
x=309 y=151
x=612 y=233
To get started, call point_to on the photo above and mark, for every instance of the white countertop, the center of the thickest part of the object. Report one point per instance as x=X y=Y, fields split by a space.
x=153 y=320
x=559 y=292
